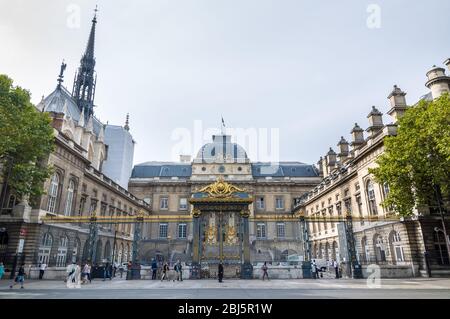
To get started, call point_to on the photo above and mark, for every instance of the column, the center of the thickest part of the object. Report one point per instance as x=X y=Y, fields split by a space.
x=354 y=268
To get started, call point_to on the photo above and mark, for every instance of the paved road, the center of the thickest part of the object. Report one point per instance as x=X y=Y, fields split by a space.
x=232 y=289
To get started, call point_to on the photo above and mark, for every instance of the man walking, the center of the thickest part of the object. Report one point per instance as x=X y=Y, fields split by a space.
x=154 y=268
x=20 y=277
x=264 y=269
x=336 y=268
x=179 y=270
x=42 y=268
x=314 y=269
x=165 y=272
x=106 y=272
x=220 y=271
x=87 y=272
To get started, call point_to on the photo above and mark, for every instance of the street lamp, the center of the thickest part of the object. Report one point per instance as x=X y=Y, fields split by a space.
x=168 y=249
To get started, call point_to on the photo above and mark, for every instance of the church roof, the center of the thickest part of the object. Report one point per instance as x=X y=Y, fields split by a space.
x=60 y=101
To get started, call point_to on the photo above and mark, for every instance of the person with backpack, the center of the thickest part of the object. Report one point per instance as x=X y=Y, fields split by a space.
x=20 y=277
x=154 y=268
x=314 y=269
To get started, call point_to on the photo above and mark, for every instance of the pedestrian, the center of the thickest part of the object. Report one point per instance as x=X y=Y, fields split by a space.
x=165 y=271
x=179 y=270
x=42 y=268
x=114 y=269
x=129 y=266
x=87 y=273
x=106 y=272
x=121 y=270
x=154 y=268
x=314 y=269
x=20 y=277
x=220 y=271
x=2 y=270
x=264 y=269
x=336 y=268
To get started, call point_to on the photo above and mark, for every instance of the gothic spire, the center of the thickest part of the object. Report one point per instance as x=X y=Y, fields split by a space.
x=127 y=122
x=85 y=78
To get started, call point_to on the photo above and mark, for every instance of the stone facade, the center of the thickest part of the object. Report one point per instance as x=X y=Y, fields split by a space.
x=403 y=247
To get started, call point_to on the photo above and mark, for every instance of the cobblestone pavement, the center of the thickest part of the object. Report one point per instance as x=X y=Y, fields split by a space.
x=232 y=289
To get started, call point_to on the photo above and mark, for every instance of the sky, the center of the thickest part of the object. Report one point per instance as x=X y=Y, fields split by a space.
x=304 y=71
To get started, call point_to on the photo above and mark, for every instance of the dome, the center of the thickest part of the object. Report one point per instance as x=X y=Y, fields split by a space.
x=222 y=150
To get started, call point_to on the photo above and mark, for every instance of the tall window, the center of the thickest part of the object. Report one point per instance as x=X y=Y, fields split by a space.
x=279 y=203
x=380 y=249
x=365 y=249
x=440 y=249
x=163 y=227
x=69 y=200
x=359 y=203
x=62 y=252
x=45 y=248
x=260 y=230
x=183 y=204
x=82 y=206
x=260 y=203
x=371 y=198
x=397 y=247
x=53 y=193
x=164 y=203
x=182 y=231
x=281 y=230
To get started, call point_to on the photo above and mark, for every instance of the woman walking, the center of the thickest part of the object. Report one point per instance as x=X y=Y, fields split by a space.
x=165 y=271
x=264 y=269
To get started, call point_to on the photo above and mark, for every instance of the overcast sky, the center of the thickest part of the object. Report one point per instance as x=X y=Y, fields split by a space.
x=308 y=68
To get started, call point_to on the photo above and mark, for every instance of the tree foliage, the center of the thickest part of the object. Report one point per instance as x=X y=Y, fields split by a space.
x=418 y=158
x=26 y=140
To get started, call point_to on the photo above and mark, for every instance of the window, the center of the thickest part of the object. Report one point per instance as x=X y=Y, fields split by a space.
x=440 y=249
x=164 y=203
x=371 y=198
x=260 y=203
x=397 y=247
x=183 y=204
x=163 y=227
x=82 y=204
x=359 y=203
x=69 y=200
x=53 y=193
x=44 y=249
x=279 y=203
x=281 y=231
x=182 y=231
x=62 y=252
x=260 y=230
x=379 y=249
x=76 y=247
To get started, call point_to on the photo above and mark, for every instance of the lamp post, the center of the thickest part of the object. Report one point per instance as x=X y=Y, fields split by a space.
x=168 y=249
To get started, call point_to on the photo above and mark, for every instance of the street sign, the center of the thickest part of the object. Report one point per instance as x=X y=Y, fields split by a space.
x=20 y=247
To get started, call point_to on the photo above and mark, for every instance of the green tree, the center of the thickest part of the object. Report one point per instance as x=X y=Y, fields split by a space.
x=417 y=158
x=26 y=140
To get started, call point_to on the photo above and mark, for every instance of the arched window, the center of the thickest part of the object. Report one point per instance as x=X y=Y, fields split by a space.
x=62 y=252
x=69 y=200
x=396 y=247
x=120 y=254
x=440 y=249
x=371 y=198
x=45 y=248
x=4 y=239
x=380 y=250
x=53 y=193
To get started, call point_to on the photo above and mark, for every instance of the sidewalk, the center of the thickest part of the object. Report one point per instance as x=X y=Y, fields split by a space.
x=117 y=283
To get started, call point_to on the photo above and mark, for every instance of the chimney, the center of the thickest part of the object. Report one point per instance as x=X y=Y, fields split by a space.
x=57 y=120
x=331 y=159
x=185 y=158
x=319 y=165
x=325 y=169
x=447 y=63
x=357 y=137
x=437 y=82
x=343 y=149
x=398 y=103
x=375 y=121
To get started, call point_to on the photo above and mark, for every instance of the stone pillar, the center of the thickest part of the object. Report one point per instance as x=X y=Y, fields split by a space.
x=195 y=271
x=354 y=268
x=306 y=264
x=136 y=267
x=246 y=268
